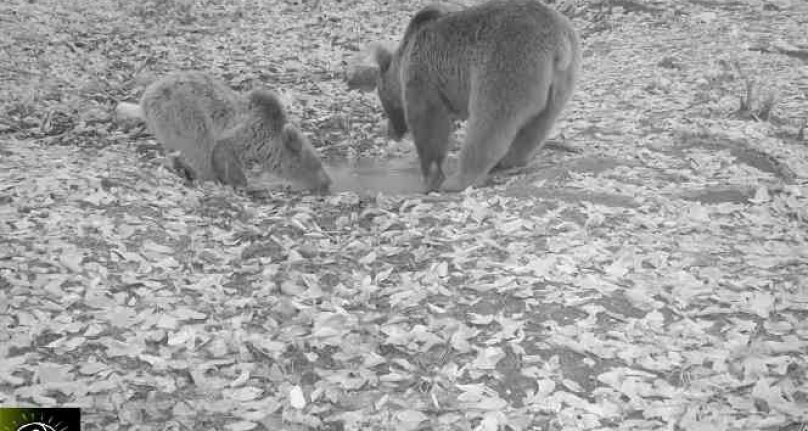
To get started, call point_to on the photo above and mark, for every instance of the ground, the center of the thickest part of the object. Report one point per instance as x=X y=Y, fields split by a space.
x=656 y=279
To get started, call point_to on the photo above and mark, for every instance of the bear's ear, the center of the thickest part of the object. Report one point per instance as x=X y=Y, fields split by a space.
x=362 y=77
x=292 y=138
x=362 y=72
x=383 y=56
x=428 y=14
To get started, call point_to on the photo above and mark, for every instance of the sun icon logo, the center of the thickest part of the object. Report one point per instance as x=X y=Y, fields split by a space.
x=36 y=426
x=39 y=419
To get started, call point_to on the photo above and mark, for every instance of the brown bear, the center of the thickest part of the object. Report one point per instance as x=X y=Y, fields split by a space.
x=508 y=66
x=217 y=132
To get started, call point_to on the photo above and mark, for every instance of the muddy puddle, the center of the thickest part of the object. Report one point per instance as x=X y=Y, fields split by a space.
x=402 y=175
x=370 y=176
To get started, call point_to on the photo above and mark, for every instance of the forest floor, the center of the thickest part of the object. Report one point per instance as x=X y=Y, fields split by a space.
x=654 y=280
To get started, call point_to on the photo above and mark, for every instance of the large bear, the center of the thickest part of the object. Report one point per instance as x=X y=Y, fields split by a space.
x=508 y=66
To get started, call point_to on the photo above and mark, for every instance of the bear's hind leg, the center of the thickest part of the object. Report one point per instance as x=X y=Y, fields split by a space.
x=431 y=125
x=487 y=141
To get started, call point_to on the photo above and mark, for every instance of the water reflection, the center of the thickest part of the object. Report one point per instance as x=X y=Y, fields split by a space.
x=369 y=176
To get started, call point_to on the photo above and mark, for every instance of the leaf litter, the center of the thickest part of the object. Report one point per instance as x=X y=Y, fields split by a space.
x=655 y=283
